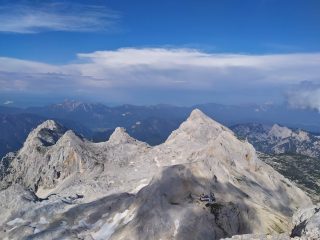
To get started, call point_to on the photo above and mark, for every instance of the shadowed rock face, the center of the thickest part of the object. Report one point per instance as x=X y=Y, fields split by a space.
x=62 y=186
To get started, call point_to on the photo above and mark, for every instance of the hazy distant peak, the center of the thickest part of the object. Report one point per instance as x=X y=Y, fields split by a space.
x=72 y=106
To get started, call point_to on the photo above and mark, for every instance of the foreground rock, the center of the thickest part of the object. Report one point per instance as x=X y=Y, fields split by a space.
x=60 y=186
x=306 y=227
x=307 y=223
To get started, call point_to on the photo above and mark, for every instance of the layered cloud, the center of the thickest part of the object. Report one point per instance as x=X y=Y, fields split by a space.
x=26 y=17
x=161 y=68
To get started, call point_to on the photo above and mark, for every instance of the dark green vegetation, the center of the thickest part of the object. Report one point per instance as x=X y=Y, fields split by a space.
x=303 y=170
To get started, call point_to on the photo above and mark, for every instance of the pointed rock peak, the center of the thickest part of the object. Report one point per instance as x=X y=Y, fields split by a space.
x=120 y=136
x=198 y=126
x=49 y=124
x=70 y=136
x=46 y=134
x=197 y=118
x=197 y=115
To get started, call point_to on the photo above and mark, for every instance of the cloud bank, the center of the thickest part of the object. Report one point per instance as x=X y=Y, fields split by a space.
x=55 y=16
x=164 y=69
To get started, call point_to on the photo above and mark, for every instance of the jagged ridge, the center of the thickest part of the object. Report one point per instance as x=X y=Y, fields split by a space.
x=148 y=192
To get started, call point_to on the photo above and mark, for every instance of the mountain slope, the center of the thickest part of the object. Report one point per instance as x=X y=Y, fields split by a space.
x=125 y=189
x=302 y=170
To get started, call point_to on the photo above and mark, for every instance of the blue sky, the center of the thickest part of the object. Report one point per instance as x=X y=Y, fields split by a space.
x=146 y=52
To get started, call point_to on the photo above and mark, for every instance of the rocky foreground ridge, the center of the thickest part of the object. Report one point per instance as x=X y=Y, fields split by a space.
x=61 y=186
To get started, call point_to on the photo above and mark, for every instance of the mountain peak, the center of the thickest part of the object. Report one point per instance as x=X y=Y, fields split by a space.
x=69 y=137
x=48 y=124
x=198 y=118
x=197 y=114
x=120 y=135
x=198 y=126
x=47 y=133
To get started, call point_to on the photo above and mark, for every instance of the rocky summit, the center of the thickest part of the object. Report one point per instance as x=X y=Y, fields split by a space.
x=201 y=183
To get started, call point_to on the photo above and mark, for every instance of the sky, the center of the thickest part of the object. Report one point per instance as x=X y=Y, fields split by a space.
x=149 y=52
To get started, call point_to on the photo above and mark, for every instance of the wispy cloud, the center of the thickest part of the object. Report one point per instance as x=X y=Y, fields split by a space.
x=163 y=68
x=8 y=102
x=28 y=17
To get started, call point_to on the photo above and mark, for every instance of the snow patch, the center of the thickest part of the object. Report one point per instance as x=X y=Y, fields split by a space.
x=176 y=227
x=107 y=229
x=143 y=183
x=43 y=220
x=157 y=161
x=15 y=221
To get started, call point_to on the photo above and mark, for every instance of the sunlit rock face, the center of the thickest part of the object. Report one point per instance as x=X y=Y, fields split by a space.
x=61 y=186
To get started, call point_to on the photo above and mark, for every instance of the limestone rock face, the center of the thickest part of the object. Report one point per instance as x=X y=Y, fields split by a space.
x=46 y=134
x=25 y=166
x=66 y=187
x=307 y=223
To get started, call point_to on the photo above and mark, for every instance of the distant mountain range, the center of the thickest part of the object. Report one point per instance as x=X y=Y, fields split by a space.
x=151 y=124
x=275 y=139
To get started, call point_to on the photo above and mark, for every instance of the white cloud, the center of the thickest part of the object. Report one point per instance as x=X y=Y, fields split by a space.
x=8 y=102
x=305 y=95
x=31 y=18
x=192 y=69
x=181 y=69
